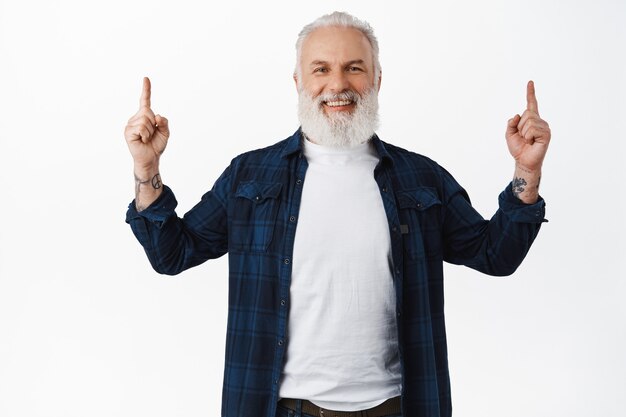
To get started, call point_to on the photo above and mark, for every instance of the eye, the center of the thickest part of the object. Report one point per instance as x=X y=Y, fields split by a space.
x=355 y=69
x=320 y=70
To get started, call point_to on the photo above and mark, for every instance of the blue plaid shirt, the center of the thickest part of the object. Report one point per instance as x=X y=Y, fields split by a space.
x=252 y=213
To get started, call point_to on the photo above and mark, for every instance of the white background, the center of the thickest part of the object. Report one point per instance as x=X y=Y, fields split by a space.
x=88 y=329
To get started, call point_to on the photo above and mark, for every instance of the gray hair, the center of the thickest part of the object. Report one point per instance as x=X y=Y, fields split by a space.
x=341 y=19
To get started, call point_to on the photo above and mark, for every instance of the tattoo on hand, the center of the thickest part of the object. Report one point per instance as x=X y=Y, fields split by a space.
x=518 y=186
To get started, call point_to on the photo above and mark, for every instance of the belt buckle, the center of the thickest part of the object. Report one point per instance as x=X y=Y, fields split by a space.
x=332 y=413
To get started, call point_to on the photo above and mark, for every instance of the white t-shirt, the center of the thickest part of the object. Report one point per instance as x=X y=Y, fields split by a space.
x=342 y=350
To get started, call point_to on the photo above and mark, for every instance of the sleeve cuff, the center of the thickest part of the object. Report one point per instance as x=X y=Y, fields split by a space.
x=157 y=212
x=520 y=212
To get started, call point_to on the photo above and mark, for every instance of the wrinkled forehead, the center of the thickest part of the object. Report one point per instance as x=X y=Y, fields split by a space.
x=336 y=44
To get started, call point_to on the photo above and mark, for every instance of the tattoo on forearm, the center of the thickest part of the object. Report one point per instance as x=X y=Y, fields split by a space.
x=518 y=186
x=523 y=168
x=154 y=181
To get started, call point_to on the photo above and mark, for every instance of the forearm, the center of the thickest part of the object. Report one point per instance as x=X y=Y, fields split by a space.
x=148 y=186
x=495 y=247
x=174 y=244
x=525 y=184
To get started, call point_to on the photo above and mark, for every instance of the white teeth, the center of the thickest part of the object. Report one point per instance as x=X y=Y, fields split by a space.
x=338 y=103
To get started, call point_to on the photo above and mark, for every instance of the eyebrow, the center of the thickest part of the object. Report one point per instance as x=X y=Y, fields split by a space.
x=320 y=62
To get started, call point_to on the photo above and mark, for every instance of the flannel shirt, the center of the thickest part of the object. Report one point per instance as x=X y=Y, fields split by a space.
x=251 y=213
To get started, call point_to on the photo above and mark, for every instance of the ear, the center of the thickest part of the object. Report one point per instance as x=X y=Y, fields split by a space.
x=295 y=79
x=380 y=78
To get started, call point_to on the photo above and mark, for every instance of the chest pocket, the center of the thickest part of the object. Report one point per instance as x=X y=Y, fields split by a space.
x=255 y=210
x=420 y=216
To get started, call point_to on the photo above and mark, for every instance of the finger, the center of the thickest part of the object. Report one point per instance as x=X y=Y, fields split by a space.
x=162 y=124
x=527 y=127
x=526 y=116
x=511 y=126
x=131 y=134
x=142 y=114
x=531 y=98
x=530 y=117
x=151 y=128
x=142 y=118
x=146 y=120
x=531 y=134
x=139 y=132
x=144 y=133
x=144 y=101
x=143 y=123
x=536 y=131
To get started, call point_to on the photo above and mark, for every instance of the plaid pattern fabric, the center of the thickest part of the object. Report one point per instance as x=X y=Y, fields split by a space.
x=252 y=212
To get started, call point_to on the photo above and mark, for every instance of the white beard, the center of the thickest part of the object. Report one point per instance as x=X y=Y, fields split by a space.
x=340 y=129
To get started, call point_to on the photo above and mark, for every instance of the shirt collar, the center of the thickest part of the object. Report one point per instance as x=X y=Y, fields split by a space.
x=379 y=145
x=294 y=146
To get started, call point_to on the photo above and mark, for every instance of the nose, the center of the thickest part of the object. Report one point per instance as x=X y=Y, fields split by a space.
x=338 y=82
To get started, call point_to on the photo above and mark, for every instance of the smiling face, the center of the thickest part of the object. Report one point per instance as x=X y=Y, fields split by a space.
x=337 y=89
x=334 y=60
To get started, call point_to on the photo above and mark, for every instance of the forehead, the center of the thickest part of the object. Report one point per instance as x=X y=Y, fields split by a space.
x=335 y=43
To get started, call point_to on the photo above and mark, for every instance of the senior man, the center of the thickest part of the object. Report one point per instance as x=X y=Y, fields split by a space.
x=336 y=242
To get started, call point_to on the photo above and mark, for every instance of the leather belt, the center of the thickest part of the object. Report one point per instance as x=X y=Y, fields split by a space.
x=391 y=406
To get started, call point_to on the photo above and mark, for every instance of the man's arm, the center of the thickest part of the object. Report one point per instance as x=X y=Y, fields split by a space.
x=498 y=246
x=174 y=244
x=171 y=243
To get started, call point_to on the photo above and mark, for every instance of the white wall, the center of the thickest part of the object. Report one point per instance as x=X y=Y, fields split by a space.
x=88 y=329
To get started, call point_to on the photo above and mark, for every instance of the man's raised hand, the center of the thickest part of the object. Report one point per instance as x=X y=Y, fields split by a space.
x=146 y=134
x=528 y=135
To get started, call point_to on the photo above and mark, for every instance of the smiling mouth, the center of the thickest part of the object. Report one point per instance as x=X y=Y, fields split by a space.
x=338 y=103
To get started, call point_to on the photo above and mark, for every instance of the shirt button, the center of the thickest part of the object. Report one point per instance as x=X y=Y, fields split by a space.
x=286 y=261
x=384 y=189
x=419 y=205
x=283 y=302
x=298 y=181
x=280 y=342
x=257 y=198
x=292 y=218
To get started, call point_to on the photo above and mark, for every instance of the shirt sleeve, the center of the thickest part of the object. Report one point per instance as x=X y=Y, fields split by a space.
x=174 y=244
x=496 y=246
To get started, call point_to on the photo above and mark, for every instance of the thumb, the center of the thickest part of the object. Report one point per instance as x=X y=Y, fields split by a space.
x=162 y=124
x=511 y=126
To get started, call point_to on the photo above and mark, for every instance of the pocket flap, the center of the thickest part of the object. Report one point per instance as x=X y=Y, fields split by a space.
x=258 y=191
x=419 y=198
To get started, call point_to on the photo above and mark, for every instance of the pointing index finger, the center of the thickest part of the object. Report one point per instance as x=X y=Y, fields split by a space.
x=531 y=98
x=144 y=101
